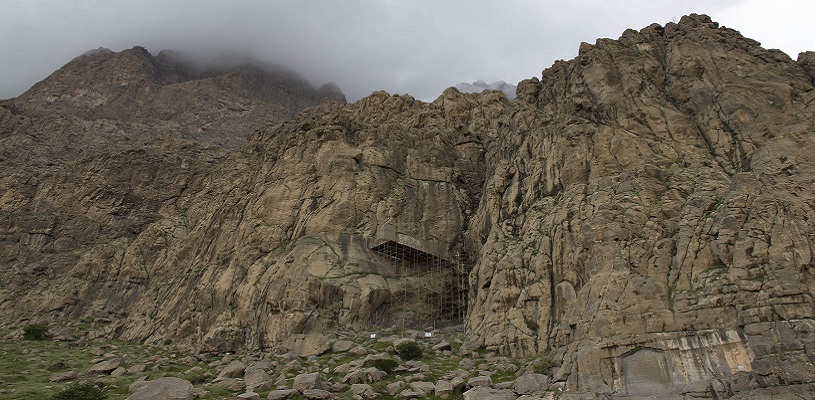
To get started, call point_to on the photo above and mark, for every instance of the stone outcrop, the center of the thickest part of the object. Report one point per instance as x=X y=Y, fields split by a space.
x=161 y=389
x=643 y=213
x=216 y=102
x=655 y=200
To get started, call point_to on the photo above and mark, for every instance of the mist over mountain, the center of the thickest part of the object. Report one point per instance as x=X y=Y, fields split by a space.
x=480 y=86
x=641 y=216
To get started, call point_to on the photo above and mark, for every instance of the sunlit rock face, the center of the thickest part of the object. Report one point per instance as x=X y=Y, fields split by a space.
x=643 y=214
x=654 y=188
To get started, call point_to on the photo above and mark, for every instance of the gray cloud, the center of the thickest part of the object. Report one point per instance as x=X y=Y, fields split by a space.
x=402 y=46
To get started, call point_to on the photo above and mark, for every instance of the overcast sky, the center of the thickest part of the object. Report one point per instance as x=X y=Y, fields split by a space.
x=401 y=46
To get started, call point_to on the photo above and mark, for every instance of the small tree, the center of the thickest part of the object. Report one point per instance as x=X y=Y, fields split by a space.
x=409 y=350
x=385 y=365
x=35 y=332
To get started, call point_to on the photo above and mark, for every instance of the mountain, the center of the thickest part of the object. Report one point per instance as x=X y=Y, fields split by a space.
x=220 y=102
x=480 y=86
x=643 y=213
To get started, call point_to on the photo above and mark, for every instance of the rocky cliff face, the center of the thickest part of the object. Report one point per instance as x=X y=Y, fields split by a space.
x=654 y=193
x=643 y=213
x=217 y=102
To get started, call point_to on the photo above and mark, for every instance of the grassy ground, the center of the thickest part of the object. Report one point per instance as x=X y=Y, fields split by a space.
x=27 y=365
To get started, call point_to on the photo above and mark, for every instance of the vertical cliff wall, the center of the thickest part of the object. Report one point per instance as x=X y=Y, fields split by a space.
x=642 y=213
x=655 y=187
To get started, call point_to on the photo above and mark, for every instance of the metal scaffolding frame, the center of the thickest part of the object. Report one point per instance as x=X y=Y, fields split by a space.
x=443 y=284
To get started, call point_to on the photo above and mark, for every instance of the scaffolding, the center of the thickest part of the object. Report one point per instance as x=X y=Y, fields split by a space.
x=432 y=283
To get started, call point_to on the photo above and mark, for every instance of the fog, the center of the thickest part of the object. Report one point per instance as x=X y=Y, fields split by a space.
x=400 y=46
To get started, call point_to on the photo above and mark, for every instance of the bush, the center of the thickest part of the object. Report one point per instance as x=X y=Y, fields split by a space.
x=409 y=351
x=544 y=366
x=386 y=365
x=198 y=377
x=35 y=332
x=81 y=391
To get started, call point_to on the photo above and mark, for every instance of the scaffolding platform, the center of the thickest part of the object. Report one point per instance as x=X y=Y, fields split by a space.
x=443 y=296
x=388 y=241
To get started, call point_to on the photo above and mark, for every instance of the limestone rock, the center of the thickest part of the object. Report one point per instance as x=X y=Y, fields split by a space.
x=394 y=388
x=645 y=204
x=443 y=389
x=63 y=376
x=305 y=382
x=257 y=380
x=364 y=391
x=441 y=346
x=423 y=388
x=410 y=394
x=161 y=389
x=341 y=346
x=235 y=369
x=136 y=369
x=458 y=382
x=479 y=381
x=106 y=367
x=282 y=394
x=364 y=375
x=485 y=393
x=531 y=383
x=470 y=346
x=309 y=345
x=317 y=394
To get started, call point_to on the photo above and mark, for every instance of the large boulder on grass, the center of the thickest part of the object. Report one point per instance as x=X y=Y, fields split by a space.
x=162 y=389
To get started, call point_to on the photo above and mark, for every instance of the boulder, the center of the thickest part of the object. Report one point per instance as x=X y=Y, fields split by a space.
x=136 y=369
x=479 y=381
x=317 y=394
x=162 y=389
x=364 y=391
x=485 y=393
x=441 y=346
x=444 y=388
x=364 y=375
x=341 y=346
x=470 y=346
x=458 y=382
x=235 y=369
x=305 y=382
x=282 y=394
x=106 y=367
x=63 y=376
x=257 y=380
x=425 y=388
x=531 y=383
x=394 y=388
x=410 y=394
x=308 y=345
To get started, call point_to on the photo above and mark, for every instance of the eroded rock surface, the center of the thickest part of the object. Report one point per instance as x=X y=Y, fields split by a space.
x=643 y=213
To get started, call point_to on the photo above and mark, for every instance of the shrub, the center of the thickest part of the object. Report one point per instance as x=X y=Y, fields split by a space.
x=386 y=365
x=409 y=350
x=544 y=366
x=81 y=391
x=198 y=377
x=35 y=332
